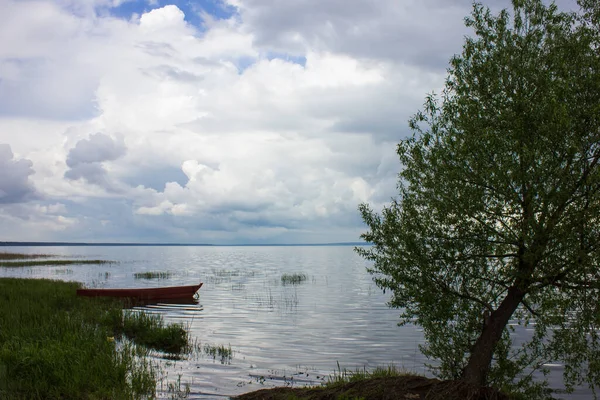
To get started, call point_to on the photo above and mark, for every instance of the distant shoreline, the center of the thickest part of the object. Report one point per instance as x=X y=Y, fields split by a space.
x=46 y=244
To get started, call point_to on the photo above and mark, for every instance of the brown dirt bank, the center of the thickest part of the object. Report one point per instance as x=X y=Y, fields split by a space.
x=388 y=388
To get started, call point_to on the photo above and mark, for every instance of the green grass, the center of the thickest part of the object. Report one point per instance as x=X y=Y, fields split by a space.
x=343 y=376
x=55 y=345
x=152 y=275
x=149 y=330
x=37 y=263
x=293 y=279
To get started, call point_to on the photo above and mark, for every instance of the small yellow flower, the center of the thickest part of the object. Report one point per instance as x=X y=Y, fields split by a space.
x=110 y=339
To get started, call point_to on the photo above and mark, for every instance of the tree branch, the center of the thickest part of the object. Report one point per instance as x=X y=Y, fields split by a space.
x=465 y=296
x=534 y=313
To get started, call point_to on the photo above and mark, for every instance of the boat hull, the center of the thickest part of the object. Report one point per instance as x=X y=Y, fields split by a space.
x=171 y=292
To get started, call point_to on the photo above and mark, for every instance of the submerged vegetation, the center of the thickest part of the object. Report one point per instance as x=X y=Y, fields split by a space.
x=63 y=346
x=293 y=279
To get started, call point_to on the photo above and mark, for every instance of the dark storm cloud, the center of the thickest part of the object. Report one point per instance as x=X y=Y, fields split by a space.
x=14 y=178
x=424 y=33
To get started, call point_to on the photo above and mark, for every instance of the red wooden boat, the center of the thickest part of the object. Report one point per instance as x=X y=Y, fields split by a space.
x=160 y=293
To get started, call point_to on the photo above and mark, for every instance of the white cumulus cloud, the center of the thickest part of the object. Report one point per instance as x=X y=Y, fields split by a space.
x=270 y=125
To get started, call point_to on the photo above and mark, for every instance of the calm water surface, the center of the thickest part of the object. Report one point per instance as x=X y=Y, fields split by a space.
x=279 y=334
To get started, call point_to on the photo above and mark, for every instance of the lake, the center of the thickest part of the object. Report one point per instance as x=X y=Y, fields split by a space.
x=279 y=334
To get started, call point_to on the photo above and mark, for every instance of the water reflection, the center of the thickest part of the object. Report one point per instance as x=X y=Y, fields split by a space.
x=278 y=334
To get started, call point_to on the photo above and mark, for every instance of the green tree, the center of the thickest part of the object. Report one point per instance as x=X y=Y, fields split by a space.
x=498 y=212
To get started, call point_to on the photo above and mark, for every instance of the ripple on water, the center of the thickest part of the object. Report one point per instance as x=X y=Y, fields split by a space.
x=278 y=334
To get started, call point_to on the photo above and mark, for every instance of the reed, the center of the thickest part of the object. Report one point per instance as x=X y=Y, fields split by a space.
x=177 y=391
x=22 y=256
x=149 y=330
x=55 y=345
x=62 y=271
x=220 y=351
x=37 y=263
x=152 y=275
x=343 y=376
x=293 y=279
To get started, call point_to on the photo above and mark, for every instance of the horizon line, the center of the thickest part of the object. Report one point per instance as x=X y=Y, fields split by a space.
x=25 y=243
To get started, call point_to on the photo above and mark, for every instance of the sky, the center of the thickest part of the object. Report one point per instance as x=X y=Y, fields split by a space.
x=211 y=121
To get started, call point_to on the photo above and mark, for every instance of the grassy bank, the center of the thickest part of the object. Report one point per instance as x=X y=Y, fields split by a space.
x=380 y=384
x=55 y=345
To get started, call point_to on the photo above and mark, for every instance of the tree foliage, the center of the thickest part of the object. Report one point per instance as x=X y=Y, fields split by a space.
x=498 y=214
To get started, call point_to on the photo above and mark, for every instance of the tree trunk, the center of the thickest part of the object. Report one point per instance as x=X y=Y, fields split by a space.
x=480 y=360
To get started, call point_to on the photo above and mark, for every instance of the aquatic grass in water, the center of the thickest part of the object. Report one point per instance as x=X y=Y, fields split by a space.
x=22 y=256
x=293 y=279
x=11 y=260
x=150 y=330
x=226 y=272
x=219 y=276
x=37 y=263
x=236 y=316
x=104 y=275
x=63 y=271
x=267 y=301
x=176 y=391
x=222 y=352
x=152 y=275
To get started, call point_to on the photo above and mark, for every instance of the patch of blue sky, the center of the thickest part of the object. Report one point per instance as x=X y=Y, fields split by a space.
x=128 y=8
x=193 y=10
x=243 y=63
x=301 y=60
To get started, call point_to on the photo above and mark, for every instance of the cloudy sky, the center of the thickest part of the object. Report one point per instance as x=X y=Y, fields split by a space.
x=210 y=121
